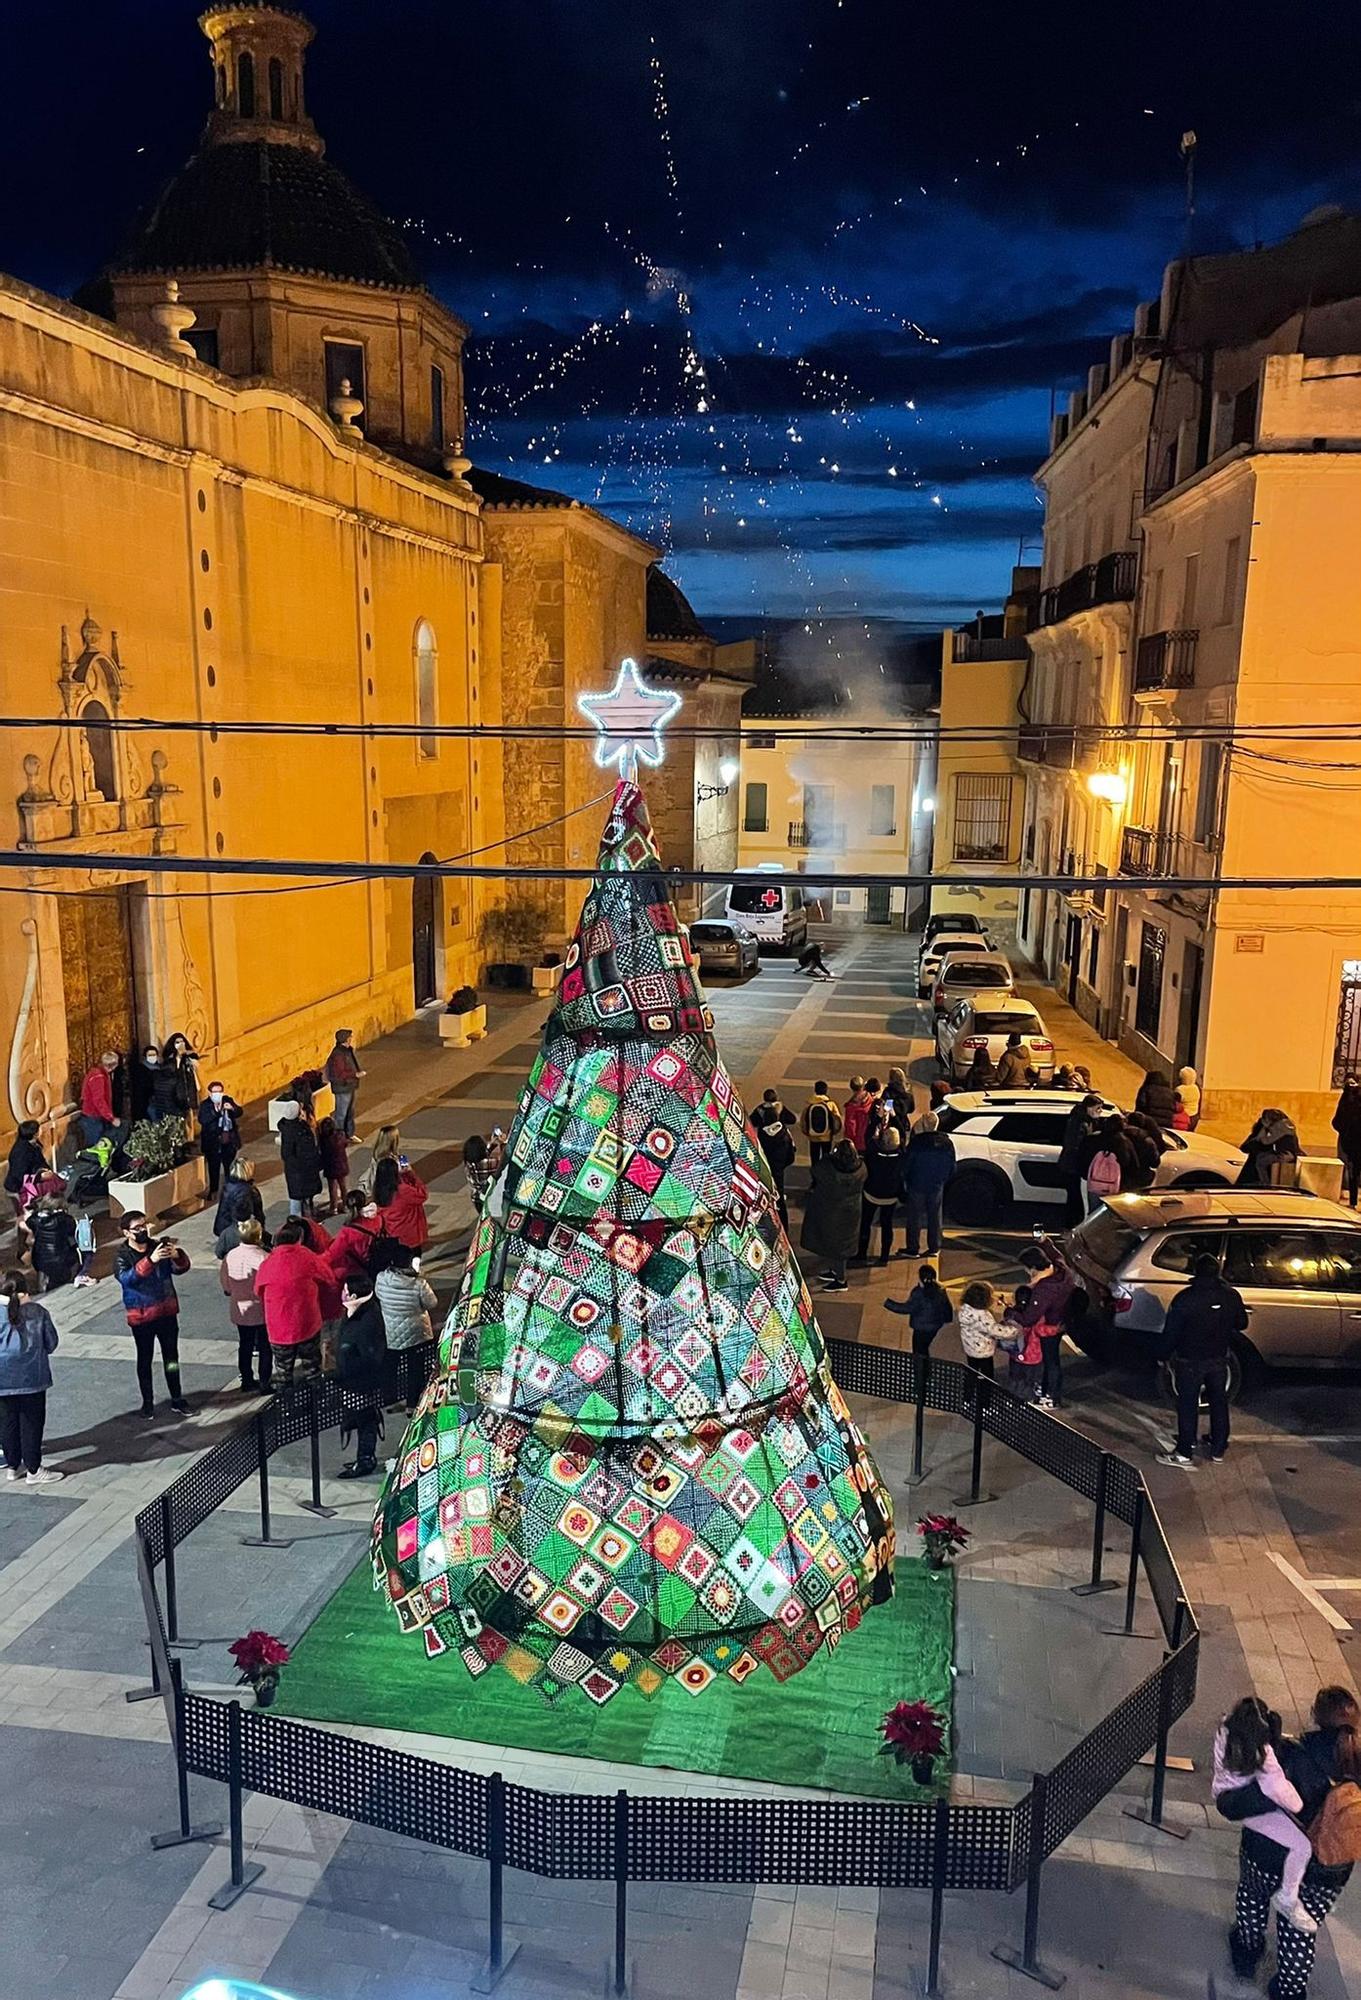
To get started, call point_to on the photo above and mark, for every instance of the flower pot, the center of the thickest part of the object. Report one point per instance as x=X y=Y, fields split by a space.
x=161 y=1192
x=265 y=1692
x=923 y=1770
x=545 y=978
x=457 y=1030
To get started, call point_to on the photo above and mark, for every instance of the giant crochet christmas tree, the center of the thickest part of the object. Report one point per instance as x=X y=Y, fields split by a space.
x=633 y=1461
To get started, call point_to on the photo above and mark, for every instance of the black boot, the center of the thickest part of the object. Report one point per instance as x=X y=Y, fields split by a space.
x=358 y=1468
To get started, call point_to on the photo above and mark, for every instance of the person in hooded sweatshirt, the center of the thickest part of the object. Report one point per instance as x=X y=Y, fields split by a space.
x=301 y=1158
x=1273 y=1150
x=927 y=1164
x=831 y=1216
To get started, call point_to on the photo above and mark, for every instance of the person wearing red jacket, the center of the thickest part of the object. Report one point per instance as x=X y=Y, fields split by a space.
x=295 y=1286
x=400 y=1198
x=96 y=1099
x=351 y=1250
x=856 y=1115
x=146 y=1273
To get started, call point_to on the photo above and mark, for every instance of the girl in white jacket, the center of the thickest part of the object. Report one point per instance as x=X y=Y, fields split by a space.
x=979 y=1331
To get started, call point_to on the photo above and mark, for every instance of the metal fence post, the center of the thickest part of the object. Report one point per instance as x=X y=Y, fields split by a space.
x=498 y=1958
x=919 y=1419
x=940 y=1839
x=980 y=1395
x=1152 y=1815
x=617 y=1979
x=1136 y=1538
x=1097 y=1582
x=314 y=1505
x=186 y=1831
x=1025 y=1960
x=243 y=1872
x=264 y=1540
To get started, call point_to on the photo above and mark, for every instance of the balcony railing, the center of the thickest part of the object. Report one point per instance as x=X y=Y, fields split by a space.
x=1110 y=581
x=1147 y=851
x=968 y=646
x=828 y=838
x=1165 y=660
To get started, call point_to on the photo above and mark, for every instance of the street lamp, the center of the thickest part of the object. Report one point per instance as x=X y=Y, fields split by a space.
x=1108 y=785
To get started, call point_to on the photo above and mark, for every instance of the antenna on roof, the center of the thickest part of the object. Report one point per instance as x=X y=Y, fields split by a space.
x=1188 y=153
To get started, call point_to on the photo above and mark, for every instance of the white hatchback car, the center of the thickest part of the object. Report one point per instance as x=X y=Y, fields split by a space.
x=1007 y=1150
x=980 y=1023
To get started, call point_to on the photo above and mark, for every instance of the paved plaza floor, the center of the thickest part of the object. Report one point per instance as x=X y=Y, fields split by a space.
x=345 y=1913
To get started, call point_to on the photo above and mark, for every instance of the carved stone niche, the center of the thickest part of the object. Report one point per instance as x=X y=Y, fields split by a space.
x=94 y=786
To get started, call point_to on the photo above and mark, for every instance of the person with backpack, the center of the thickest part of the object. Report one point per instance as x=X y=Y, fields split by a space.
x=361 y=1369
x=820 y=1123
x=1203 y=1319
x=1082 y=1124
x=1244 y=1755
x=926 y=1308
x=773 y=1128
x=1107 y=1161
x=1324 y=1766
x=54 y=1252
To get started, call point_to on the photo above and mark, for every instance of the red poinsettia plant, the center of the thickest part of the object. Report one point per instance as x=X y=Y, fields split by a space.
x=259 y=1657
x=943 y=1535
x=912 y=1730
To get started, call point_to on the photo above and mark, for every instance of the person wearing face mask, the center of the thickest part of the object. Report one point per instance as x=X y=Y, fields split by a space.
x=146 y=1273
x=219 y=1124
x=158 y=1087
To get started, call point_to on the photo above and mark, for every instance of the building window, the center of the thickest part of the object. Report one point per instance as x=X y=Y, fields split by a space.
x=437 y=408
x=1228 y=598
x=427 y=690
x=1190 y=590
x=1093 y=955
x=882 y=799
x=1148 y=993
x=1347 y=1041
x=1207 y=797
x=1245 y=416
x=276 y=88
x=101 y=771
x=755 y=819
x=345 y=363
x=203 y=340
x=983 y=816
x=222 y=83
x=245 y=85
x=761 y=742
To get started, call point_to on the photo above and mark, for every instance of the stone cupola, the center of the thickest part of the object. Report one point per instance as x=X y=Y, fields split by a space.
x=257 y=57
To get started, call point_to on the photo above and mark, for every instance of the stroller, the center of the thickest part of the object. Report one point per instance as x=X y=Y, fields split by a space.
x=88 y=1176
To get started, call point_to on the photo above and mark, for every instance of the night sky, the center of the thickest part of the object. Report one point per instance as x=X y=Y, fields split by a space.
x=783 y=284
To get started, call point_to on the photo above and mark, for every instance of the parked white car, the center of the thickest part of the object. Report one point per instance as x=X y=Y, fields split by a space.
x=965 y=973
x=936 y=950
x=1007 y=1150
x=981 y=1023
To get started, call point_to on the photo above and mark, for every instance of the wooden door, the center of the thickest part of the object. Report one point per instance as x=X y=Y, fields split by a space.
x=423 y=892
x=98 y=974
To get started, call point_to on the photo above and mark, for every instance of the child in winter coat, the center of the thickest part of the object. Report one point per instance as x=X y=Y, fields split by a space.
x=978 y=1330
x=927 y=1308
x=1244 y=1755
x=1022 y=1343
x=334 y=1148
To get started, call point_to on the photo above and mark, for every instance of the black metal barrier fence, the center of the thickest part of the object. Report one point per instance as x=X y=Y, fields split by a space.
x=622 y=1838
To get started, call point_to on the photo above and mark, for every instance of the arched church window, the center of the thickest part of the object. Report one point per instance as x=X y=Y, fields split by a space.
x=245 y=84
x=222 y=83
x=427 y=689
x=100 y=766
x=276 y=88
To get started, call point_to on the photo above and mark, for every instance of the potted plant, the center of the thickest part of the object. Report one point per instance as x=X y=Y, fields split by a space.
x=914 y=1733
x=259 y=1658
x=943 y=1536
x=547 y=972
x=161 y=1171
x=463 y=1019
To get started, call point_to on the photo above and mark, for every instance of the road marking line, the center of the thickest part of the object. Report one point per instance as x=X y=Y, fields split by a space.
x=1309 y=1592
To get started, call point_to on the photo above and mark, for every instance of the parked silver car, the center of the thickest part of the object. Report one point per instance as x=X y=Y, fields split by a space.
x=719 y=946
x=1295 y=1258
x=965 y=974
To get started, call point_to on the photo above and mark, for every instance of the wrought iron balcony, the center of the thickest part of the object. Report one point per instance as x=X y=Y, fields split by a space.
x=827 y=838
x=1110 y=581
x=1165 y=660
x=1147 y=851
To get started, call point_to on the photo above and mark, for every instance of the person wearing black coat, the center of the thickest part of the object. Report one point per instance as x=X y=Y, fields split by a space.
x=26 y=1158
x=157 y=1088
x=53 y=1230
x=1157 y=1099
x=927 y=1164
x=1145 y=1140
x=883 y=1173
x=1325 y=1755
x=178 y=1059
x=239 y=1197
x=1198 y=1334
x=219 y=1125
x=361 y=1371
x=980 y=1074
x=1080 y=1125
x=831 y=1216
x=301 y=1156
x=774 y=1128
x=1347 y=1125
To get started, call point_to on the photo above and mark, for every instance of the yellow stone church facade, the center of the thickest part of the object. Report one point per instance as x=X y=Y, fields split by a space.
x=233 y=490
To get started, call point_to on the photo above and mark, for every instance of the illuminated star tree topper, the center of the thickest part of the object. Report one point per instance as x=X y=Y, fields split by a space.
x=630 y=718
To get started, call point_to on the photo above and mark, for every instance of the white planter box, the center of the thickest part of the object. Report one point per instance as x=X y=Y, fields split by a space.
x=546 y=978
x=457 y=1030
x=162 y=1192
x=323 y=1100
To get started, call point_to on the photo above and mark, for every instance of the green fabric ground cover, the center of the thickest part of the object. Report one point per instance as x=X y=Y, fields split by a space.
x=819 y=1729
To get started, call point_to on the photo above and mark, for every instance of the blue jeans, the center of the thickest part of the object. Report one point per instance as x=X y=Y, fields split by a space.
x=924 y=1206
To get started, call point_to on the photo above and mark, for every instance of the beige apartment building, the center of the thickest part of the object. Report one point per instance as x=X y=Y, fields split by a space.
x=1202 y=603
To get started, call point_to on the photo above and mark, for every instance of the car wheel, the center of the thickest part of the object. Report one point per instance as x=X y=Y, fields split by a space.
x=976 y=1197
x=1244 y=1368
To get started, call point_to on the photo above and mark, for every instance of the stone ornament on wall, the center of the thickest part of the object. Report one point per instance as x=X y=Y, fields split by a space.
x=31 y=1098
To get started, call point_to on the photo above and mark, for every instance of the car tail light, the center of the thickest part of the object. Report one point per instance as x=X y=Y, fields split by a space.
x=1041 y=1042
x=1122 y=1298
x=974 y=1042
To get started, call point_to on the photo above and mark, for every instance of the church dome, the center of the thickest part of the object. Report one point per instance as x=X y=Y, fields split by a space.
x=670 y=614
